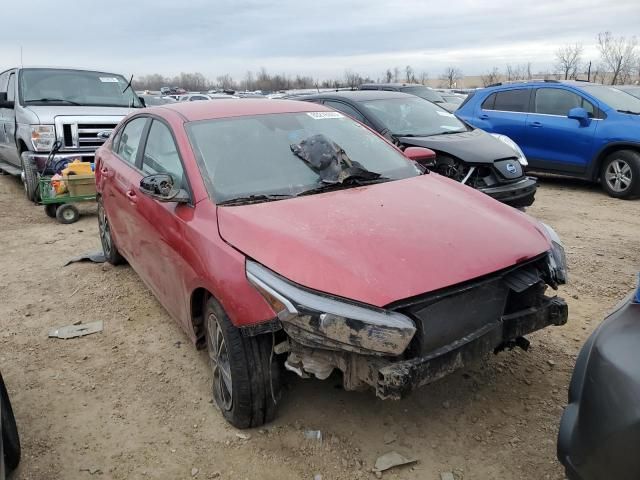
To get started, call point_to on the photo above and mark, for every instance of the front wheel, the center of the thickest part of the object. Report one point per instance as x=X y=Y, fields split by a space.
x=30 y=180
x=111 y=253
x=246 y=377
x=10 y=438
x=620 y=176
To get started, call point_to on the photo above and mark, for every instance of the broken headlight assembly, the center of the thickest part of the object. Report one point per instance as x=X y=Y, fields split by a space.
x=320 y=320
x=556 y=259
x=514 y=146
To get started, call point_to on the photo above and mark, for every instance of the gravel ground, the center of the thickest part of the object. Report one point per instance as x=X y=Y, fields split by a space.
x=133 y=402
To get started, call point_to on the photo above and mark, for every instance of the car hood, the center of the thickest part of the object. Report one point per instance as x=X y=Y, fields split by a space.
x=47 y=113
x=381 y=243
x=475 y=146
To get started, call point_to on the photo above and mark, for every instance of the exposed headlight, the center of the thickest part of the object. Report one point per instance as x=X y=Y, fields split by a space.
x=324 y=321
x=507 y=141
x=43 y=137
x=557 y=260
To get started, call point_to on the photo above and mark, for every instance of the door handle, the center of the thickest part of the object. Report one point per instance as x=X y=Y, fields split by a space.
x=131 y=195
x=536 y=124
x=484 y=116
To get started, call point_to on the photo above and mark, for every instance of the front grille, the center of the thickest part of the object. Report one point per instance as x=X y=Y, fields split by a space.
x=84 y=133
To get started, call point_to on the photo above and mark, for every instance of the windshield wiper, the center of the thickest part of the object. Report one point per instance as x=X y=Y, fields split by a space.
x=629 y=112
x=52 y=100
x=347 y=183
x=255 y=198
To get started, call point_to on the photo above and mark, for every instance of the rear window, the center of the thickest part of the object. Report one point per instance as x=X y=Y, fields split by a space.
x=508 y=100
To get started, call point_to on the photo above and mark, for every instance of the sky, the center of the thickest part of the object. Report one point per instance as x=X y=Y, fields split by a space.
x=321 y=39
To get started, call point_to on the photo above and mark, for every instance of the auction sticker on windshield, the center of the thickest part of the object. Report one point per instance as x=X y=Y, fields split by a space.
x=323 y=115
x=108 y=79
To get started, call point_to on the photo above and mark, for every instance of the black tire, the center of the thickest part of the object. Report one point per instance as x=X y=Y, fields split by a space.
x=254 y=372
x=30 y=181
x=67 y=213
x=620 y=174
x=10 y=438
x=109 y=247
x=51 y=209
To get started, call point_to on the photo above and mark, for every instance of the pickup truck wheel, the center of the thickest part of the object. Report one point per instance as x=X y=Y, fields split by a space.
x=51 y=209
x=10 y=438
x=111 y=253
x=620 y=176
x=30 y=181
x=246 y=378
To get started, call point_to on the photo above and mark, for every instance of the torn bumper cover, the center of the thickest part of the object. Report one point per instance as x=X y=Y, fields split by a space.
x=398 y=378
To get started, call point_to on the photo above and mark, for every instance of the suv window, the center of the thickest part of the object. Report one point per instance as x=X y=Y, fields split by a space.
x=508 y=100
x=556 y=101
x=3 y=81
x=11 y=87
x=161 y=154
x=344 y=108
x=129 y=142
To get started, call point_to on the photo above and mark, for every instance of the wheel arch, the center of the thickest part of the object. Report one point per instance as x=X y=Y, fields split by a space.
x=596 y=164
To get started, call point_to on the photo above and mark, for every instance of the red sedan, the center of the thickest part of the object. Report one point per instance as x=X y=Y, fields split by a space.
x=284 y=233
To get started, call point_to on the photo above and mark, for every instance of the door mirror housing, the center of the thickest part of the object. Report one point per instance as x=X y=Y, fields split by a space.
x=161 y=187
x=581 y=115
x=421 y=155
x=4 y=103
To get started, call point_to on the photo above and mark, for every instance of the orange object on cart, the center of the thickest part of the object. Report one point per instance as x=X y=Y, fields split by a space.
x=78 y=167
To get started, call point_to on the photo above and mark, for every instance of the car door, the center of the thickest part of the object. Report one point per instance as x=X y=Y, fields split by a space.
x=505 y=112
x=160 y=225
x=555 y=141
x=8 y=149
x=119 y=181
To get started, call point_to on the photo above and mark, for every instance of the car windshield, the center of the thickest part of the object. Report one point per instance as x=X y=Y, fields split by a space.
x=615 y=98
x=413 y=117
x=424 y=92
x=253 y=156
x=74 y=87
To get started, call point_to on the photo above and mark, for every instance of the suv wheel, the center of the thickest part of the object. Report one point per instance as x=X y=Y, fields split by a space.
x=246 y=377
x=111 y=253
x=30 y=181
x=620 y=175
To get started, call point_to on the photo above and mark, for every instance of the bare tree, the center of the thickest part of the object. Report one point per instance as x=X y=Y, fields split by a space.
x=491 y=77
x=424 y=77
x=529 y=73
x=388 y=75
x=352 y=79
x=618 y=55
x=225 y=81
x=569 y=60
x=411 y=78
x=451 y=76
x=515 y=72
x=396 y=74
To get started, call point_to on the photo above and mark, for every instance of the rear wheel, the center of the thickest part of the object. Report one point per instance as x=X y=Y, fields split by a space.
x=10 y=438
x=51 y=210
x=246 y=377
x=30 y=180
x=620 y=175
x=67 y=213
x=109 y=248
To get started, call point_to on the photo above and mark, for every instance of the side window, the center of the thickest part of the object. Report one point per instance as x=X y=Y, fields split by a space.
x=512 y=100
x=344 y=108
x=489 y=102
x=3 y=81
x=11 y=87
x=130 y=139
x=161 y=154
x=556 y=101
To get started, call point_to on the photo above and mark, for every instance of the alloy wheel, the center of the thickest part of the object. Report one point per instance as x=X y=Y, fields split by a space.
x=618 y=175
x=105 y=232
x=219 y=362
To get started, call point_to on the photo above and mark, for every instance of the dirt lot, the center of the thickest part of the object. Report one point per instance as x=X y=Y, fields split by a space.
x=133 y=402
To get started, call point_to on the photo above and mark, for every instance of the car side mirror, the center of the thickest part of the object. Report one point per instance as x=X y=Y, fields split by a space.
x=581 y=115
x=161 y=187
x=4 y=103
x=421 y=155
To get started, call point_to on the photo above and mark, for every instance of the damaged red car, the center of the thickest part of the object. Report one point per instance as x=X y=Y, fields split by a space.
x=281 y=234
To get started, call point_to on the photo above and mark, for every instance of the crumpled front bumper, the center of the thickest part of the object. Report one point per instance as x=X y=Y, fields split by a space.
x=396 y=379
x=517 y=194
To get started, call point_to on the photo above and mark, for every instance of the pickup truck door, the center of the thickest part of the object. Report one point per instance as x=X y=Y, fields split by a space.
x=8 y=148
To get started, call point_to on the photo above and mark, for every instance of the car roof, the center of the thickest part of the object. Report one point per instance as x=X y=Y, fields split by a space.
x=538 y=83
x=362 y=95
x=195 y=111
x=396 y=85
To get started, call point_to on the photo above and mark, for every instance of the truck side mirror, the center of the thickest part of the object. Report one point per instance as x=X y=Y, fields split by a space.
x=4 y=103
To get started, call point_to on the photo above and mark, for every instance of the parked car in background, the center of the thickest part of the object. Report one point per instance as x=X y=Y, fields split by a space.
x=454 y=99
x=9 y=438
x=49 y=116
x=418 y=90
x=223 y=209
x=193 y=97
x=165 y=91
x=572 y=128
x=154 y=100
x=494 y=166
x=600 y=427
x=630 y=89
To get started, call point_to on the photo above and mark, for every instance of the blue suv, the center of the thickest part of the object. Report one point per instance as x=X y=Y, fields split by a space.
x=571 y=128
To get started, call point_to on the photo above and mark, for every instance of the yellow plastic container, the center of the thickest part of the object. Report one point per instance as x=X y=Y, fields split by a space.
x=78 y=168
